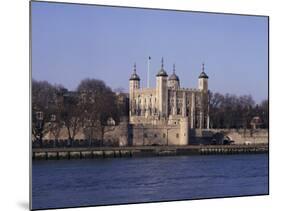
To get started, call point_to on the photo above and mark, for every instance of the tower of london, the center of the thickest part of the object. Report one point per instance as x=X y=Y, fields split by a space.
x=166 y=114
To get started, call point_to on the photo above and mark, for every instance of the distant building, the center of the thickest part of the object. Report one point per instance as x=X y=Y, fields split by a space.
x=167 y=112
x=165 y=115
x=256 y=122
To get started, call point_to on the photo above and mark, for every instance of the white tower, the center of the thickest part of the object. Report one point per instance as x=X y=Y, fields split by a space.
x=203 y=80
x=162 y=91
x=134 y=85
x=204 y=110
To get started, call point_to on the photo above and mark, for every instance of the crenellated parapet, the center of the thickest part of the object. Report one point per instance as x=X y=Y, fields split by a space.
x=168 y=101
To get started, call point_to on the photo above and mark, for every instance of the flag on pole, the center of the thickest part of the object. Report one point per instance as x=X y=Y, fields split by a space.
x=148 y=67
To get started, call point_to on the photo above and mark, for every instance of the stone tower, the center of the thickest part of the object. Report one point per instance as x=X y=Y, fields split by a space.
x=203 y=80
x=204 y=106
x=134 y=85
x=162 y=91
x=184 y=131
x=174 y=81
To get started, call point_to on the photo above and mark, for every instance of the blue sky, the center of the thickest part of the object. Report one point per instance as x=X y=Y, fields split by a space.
x=72 y=42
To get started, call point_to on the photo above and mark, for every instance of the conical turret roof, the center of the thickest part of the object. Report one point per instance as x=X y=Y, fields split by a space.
x=174 y=77
x=162 y=72
x=134 y=76
x=203 y=74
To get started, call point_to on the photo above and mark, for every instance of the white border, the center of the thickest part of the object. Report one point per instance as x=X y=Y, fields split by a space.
x=14 y=86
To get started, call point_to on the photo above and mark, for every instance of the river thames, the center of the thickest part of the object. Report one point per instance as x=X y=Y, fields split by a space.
x=72 y=183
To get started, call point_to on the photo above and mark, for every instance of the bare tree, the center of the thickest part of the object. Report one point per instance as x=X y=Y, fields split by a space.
x=71 y=115
x=215 y=104
x=43 y=97
x=99 y=104
x=57 y=121
x=119 y=90
x=264 y=113
x=231 y=111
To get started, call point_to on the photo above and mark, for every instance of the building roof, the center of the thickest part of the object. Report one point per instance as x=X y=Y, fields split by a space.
x=162 y=72
x=256 y=120
x=174 y=77
x=203 y=74
x=134 y=76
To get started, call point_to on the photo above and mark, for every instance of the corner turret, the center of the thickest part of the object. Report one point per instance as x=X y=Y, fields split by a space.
x=203 y=80
x=162 y=90
x=174 y=81
x=134 y=85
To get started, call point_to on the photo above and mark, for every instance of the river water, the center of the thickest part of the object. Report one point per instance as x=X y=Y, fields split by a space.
x=71 y=183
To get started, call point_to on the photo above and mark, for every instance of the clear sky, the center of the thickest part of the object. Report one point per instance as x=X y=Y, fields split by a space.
x=72 y=42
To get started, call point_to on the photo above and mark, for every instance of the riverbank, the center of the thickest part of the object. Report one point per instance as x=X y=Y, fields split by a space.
x=144 y=151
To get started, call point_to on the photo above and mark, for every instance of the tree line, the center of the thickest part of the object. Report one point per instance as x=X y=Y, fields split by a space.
x=93 y=103
x=88 y=108
x=231 y=111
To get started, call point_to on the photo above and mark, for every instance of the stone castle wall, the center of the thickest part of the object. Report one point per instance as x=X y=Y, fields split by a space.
x=247 y=136
x=239 y=136
x=155 y=135
x=112 y=135
x=148 y=134
x=119 y=133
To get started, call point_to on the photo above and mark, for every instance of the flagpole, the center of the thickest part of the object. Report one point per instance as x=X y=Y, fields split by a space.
x=148 y=71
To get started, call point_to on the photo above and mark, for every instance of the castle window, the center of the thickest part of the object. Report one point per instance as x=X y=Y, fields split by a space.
x=177 y=135
x=39 y=115
x=155 y=135
x=53 y=117
x=145 y=135
x=164 y=135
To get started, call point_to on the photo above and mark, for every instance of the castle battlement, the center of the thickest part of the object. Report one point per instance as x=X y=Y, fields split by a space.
x=169 y=105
